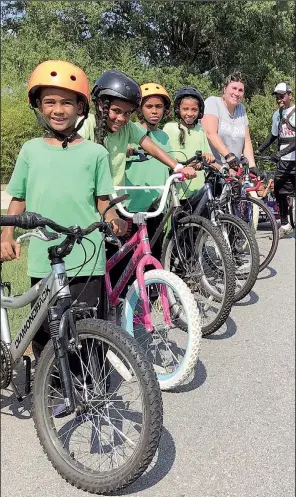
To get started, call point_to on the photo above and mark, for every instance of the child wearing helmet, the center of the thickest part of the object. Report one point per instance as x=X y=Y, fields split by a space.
x=62 y=177
x=187 y=135
x=116 y=96
x=155 y=105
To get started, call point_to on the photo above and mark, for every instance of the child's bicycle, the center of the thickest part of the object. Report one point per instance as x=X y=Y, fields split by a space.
x=195 y=250
x=96 y=403
x=159 y=310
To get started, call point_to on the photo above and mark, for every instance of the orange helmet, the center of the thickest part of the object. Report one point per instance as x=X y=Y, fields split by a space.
x=59 y=74
x=155 y=89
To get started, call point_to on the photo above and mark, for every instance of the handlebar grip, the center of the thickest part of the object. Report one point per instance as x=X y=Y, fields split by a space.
x=27 y=220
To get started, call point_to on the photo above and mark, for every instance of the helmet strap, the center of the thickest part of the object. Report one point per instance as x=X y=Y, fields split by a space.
x=65 y=139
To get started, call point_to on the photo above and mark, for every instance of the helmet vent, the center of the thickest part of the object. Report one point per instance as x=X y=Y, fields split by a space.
x=73 y=78
x=53 y=73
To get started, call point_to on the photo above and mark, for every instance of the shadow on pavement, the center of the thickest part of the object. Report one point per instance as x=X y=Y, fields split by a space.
x=195 y=381
x=158 y=469
x=272 y=272
x=10 y=406
x=252 y=299
x=227 y=330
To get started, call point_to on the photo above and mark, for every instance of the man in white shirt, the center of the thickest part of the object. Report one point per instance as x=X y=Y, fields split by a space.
x=283 y=130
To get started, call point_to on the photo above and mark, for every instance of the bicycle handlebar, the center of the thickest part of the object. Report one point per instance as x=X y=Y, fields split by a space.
x=166 y=188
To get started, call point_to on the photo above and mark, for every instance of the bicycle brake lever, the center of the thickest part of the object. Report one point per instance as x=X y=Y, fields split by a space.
x=41 y=234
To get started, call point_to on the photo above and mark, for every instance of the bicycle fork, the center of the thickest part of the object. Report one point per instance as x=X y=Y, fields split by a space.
x=60 y=322
x=148 y=259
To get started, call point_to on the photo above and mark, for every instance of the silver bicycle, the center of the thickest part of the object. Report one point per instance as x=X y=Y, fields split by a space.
x=96 y=401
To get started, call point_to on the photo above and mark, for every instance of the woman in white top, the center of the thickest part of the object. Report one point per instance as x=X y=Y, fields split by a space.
x=226 y=124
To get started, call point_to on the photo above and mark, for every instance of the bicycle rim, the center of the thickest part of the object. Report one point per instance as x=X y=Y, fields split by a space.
x=206 y=267
x=99 y=446
x=173 y=347
x=266 y=232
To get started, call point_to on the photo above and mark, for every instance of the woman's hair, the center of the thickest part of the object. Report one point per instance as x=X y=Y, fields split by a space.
x=101 y=129
x=235 y=76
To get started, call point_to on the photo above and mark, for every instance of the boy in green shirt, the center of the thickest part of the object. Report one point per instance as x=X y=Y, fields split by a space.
x=116 y=96
x=187 y=135
x=62 y=177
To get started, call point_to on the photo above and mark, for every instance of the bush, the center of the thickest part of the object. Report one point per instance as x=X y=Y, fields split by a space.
x=18 y=125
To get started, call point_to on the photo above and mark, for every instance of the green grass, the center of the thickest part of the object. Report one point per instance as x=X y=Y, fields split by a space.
x=16 y=273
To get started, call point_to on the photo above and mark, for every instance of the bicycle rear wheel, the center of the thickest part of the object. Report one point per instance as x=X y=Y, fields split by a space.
x=245 y=253
x=172 y=348
x=110 y=443
x=204 y=262
x=266 y=231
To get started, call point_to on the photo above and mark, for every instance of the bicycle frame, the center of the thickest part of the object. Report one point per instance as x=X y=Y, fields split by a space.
x=142 y=257
x=47 y=291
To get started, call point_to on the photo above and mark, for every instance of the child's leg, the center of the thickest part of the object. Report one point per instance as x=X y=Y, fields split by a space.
x=94 y=290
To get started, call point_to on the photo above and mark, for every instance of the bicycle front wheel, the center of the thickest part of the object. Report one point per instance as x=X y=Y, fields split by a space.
x=203 y=261
x=111 y=441
x=266 y=229
x=245 y=253
x=173 y=349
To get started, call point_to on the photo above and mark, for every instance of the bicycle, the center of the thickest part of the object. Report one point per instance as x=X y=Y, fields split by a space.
x=271 y=202
x=236 y=232
x=96 y=402
x=156 y=302
x=196 y=251
x=253 y=211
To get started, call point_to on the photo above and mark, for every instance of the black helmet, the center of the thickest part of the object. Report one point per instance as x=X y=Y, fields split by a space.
x=119 y=85
x=188 y=92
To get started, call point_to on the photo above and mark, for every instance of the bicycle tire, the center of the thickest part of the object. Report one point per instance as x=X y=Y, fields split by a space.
x=71 y=469
x=265 y=260
x=291 y=212
x=192 y=335
x=205 y=226
x=242 y=290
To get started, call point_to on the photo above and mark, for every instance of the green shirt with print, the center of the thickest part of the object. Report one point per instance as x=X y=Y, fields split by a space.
x=116 y=143
x=151 y=172
x=195 y=139
x=61 y=184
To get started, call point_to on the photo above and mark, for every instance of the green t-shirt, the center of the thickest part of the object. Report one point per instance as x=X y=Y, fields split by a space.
x=195 y=139
x=116 y=143
x=150 y=172
x=61 y=184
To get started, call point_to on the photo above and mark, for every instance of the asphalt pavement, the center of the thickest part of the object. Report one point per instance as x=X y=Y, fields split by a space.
x=229 y=432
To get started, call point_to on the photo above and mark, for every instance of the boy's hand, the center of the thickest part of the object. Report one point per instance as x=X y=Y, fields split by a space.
x=209 y=158
x=130 y=151
x=119 y=226
x=189 y=172
x=10 y=250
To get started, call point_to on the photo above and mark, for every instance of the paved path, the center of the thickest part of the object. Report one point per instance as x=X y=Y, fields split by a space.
x=230 y=433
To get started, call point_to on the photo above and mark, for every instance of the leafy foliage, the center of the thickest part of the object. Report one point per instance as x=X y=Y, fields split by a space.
x=175 y=43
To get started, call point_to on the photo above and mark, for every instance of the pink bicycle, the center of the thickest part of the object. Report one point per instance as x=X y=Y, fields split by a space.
x=159 y=309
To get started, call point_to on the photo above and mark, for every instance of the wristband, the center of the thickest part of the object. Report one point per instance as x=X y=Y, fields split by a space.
x=227 y=156
x=178 y=168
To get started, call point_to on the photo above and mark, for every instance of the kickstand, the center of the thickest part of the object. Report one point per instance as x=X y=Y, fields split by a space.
x=28 y=362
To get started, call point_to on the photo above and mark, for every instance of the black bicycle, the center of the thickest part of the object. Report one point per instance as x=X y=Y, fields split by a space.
x=196 y=251
x=236 y=232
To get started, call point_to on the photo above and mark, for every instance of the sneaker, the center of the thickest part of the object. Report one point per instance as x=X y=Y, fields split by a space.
x=286 y=229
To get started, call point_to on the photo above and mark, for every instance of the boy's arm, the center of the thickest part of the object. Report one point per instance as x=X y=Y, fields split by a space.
x=267 y=142
x=149 y=146
x=119 y=225
x=9 y=248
